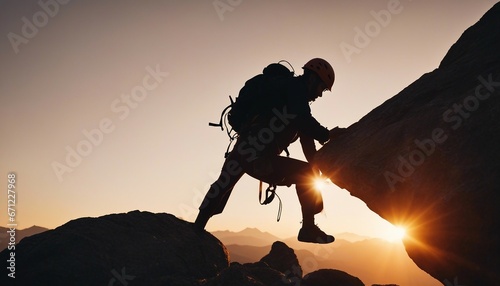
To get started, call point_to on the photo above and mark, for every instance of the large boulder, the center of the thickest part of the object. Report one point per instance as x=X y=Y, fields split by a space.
x=139 y=247
x=330 y=277
x=429 y=159
x=250 y=274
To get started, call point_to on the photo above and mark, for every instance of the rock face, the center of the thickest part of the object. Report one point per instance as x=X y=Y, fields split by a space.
x=429 y=159
x=138 y=247
x=330 y=277
x=283 y=258
x=142 y=248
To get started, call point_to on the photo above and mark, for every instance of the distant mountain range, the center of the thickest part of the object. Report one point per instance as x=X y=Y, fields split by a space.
x=374 y=261
x=20 y=234
x=248 y=236
x=255 y=237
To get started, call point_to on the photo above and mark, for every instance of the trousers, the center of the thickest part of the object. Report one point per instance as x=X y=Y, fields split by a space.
x=269 y=168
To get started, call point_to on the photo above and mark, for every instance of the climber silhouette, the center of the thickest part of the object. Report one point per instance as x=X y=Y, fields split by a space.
x=285 y=117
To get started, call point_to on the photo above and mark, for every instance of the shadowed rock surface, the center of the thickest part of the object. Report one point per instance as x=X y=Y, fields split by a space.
x=330 y=277
x=283 y=258
x=139 y=247
x=429 y=159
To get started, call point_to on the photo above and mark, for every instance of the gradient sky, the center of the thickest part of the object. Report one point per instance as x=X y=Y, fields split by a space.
x=77 y=70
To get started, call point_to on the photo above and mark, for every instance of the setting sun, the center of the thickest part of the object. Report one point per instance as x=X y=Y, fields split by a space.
x=320 y=184
x=398 y=233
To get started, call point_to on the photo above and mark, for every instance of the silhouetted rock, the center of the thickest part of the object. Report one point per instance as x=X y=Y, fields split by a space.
x=235 y=275
x=279 y=267
x=429 y=158
x=283 y=258
x=146 y=248
x=251 y=274
x=330 y=277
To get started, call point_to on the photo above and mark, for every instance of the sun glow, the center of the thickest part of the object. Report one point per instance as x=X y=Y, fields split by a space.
x=398 y=233
x=320 y=184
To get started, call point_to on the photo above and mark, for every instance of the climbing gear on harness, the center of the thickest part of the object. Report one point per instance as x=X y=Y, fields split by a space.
x=223 y=122
x=270 y=194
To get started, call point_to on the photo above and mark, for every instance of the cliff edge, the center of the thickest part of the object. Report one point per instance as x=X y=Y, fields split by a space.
x=429 y=159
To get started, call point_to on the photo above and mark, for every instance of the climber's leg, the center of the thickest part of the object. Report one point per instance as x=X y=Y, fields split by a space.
x=311 y=202
x=287 y=171
x=216 y=198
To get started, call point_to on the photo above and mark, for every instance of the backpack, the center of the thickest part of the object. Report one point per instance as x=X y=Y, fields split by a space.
x=254 y=99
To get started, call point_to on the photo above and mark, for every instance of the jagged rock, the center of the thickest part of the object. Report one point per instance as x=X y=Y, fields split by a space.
x=251 y=274
x=236 y=275
x=429 y=158
x=283 y=258
x=279 y=267
x=330 y=277
x=146 y=248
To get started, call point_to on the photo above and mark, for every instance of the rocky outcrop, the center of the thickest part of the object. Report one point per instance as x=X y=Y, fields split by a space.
x=429 y=159
x=330 y=277
x=142 y=248
x=251 y=274
x=283 y=258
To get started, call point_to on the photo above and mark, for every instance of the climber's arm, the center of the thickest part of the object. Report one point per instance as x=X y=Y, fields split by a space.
x=308 y=147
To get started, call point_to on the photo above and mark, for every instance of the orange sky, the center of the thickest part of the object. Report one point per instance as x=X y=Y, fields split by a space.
x=68 y=73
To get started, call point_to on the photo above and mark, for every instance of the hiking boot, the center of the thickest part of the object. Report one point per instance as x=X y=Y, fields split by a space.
x=314 y=235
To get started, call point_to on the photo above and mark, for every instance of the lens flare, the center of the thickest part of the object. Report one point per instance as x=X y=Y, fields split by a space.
x=398 y=233
x=320 y=184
